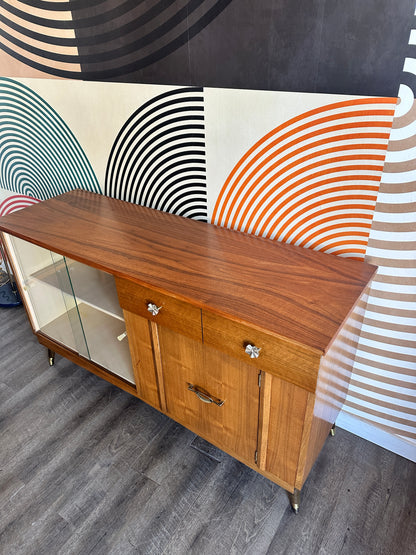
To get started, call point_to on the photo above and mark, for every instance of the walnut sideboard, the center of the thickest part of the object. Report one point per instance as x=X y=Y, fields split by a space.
x=247 y=342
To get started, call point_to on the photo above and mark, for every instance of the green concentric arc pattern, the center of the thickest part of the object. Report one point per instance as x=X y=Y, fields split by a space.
x=39 y=155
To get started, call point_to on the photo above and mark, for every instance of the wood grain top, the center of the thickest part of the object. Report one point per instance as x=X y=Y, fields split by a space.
x=295 y=293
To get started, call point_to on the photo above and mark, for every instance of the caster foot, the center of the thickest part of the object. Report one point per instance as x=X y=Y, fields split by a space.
x=332 y=431
x=51 y=356
x=294 y=499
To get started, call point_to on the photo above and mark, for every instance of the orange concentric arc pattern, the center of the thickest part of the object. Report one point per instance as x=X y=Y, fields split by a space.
x=312 y=181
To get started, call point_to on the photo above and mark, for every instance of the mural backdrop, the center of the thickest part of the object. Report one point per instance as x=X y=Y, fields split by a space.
x=290 y=119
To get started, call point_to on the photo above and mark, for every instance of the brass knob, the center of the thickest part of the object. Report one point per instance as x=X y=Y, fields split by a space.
x=253 y=351
x=153 y=309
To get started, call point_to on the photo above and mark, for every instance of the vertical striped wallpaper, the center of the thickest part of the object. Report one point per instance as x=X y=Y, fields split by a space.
x=382 y=391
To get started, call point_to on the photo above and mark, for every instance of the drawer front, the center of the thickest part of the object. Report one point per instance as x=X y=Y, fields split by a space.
x=282 y=358
x=177 y=315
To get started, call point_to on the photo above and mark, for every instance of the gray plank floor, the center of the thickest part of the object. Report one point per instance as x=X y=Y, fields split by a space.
x=86 y=468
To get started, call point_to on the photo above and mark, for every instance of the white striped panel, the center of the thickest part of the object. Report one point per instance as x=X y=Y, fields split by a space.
x=401 y=133
x=393 y=288
x=399 y=177
x=398 y=156
x=393 y=235
x=396 y=198
x=395 y=349
x=388 y=387
x=388 y=303
x=397 y=272
x=406 y=101
x=387 y=411
x=388 y=358
x=383 y=421
x=390 y=318
x=410 y=65
x=392 y=334
x=386 y=398
x=391 y=217
x=388 y=255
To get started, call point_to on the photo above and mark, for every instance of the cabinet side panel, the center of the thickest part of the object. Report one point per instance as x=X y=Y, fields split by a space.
x=141 y=351
x=287 y=415
x=333 y=381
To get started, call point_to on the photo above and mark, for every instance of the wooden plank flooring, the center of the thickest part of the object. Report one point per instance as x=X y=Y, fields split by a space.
x=88 y=469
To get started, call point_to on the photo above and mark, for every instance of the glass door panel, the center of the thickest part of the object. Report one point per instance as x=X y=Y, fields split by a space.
x=101 y=317
x=52 y=307
x=74 y=304
x=59 y=278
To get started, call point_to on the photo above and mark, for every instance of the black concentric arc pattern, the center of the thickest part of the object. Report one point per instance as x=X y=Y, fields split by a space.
x=100 y=39
x=158 y=158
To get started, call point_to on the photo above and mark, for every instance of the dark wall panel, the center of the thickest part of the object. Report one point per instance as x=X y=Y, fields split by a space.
x=335 y=46
x=354 y=47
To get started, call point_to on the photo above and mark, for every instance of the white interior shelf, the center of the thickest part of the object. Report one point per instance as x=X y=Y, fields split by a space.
x=101 y=331
x=94 y=287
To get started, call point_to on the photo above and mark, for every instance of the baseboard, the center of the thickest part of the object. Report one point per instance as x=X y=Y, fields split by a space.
x=396 y=444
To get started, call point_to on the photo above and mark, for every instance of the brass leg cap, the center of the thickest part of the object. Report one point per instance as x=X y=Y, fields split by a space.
x=294 y=499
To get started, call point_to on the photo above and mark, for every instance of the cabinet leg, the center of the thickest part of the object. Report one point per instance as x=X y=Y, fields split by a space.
x=51 y=356
x=332 y=431
x=294 y=499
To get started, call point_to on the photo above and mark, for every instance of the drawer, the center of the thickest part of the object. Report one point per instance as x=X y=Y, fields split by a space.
x=177 y=315
x=286 y=359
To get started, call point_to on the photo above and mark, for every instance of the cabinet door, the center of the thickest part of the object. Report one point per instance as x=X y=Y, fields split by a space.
x=101 y=317
x=193 y=373
x=73 y=304
x=139 y=333
x=285 y=413
x=47 y=293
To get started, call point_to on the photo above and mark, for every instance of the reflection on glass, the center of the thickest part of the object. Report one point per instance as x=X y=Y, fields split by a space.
x=52 y=307
x=74 y=304
x=62 y=281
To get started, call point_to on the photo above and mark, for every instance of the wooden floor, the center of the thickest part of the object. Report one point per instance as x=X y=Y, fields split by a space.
x=86 y=468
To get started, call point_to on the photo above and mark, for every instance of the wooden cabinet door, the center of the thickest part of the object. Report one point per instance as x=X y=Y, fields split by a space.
x=286 y=412
x=192 y=374
x=139 y=335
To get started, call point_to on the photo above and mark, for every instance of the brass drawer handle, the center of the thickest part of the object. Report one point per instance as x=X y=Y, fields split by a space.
x=205 y=397
x=253 y=351
x=153 y=309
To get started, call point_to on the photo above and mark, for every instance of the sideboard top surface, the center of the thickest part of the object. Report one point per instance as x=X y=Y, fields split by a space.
x=296 y=293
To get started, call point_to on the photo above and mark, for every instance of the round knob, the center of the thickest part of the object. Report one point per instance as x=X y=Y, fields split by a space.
x=153 y=309
x=253 y=351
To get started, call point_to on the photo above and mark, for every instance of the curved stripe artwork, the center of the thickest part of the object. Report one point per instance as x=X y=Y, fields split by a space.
x=97 y=39
x=16 y=202
x=384 y=371
x=158 y=157
x=39 y=155
x=312 y=181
